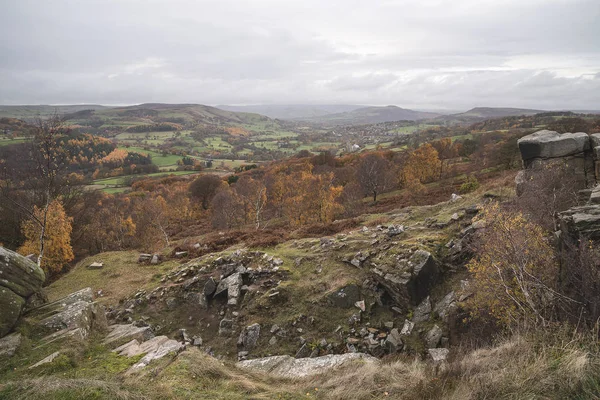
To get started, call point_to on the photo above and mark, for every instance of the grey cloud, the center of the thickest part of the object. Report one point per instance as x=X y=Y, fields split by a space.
x=425 y=53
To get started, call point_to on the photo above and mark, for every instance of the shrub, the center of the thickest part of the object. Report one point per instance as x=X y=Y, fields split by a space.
x=470 y=185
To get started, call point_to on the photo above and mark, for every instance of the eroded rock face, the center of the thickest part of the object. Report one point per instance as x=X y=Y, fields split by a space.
x=581 y=222
x=410 y=281
x=289 y=367
x=20 y=278
x=126 y=333
x=77 y=314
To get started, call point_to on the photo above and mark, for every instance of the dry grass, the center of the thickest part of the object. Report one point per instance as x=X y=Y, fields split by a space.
x=546 y=366
x=45 y=388
x=121 y=276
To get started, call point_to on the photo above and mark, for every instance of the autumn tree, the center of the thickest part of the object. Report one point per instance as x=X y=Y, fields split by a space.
x=42 y=180
x=57 y=237
x=446 y=150
x=515 y=270
x=310 y=198
x=422 y=165
x=205 y=187
x=375 y=174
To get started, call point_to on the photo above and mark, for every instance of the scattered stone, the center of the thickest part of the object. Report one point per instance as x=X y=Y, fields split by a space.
x=455 y=217
x=96 y=265
x=155 y=259
x=438 y=355
x=445 y=306
x=394 y=230
x=389 y=324
x=144 y=257
x=197 y=340
x=325 y=242
x=46 y=360
x=354 y=319
x=273 y=341
x=180 y=254
x=289 y=367
x=433 y=337
x=275 y=328
x=393 y=341
x=360 y=305
x=455 y=197
x=407 y=327
x=421 y=313
x=249 y=337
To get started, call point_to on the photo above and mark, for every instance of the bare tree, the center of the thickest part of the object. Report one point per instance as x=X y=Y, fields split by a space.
x=375 y=175
x=205 y=188
x=545 y=191
x=40 y=178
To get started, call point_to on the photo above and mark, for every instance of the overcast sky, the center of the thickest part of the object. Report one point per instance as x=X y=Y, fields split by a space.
x=451 y=54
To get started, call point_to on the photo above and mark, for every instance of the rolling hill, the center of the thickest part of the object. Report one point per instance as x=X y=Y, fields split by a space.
x=292 y=111
x=479 y=114
x=372 y=115
x=29 y=112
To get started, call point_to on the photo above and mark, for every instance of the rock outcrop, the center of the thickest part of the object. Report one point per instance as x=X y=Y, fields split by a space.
x=409 y=281
x=290 y=367
x=580 y=154
x=76 y=315
x=576 y=151
x=20 y=279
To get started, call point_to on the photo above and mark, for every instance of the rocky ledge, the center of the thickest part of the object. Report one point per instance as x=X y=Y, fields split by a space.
x=289 y=367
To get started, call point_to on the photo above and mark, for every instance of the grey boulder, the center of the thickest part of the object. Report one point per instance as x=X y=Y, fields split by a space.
x=551 y=144
x=289 y=367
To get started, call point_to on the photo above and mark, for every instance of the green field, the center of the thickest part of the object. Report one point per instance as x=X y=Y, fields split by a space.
x=6 y=142
x=117 y=184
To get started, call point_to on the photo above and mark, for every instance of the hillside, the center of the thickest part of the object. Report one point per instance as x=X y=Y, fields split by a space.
x=30 y=112
x=292 y=111
x=478 y=114
x=372 y=115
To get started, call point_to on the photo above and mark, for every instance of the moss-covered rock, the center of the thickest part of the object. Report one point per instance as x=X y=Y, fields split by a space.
x=11 y=305
x=20 y=274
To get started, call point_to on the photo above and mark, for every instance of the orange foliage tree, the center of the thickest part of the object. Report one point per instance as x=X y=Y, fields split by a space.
x=57 y=244
x=422 y=165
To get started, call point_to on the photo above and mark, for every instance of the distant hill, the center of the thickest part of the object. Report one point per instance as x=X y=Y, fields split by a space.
x=292 y=111
x=494 y=112
x=143 y=114
x=182 y=113
x=372 y=115
x=28 y=112
x=479 y=114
